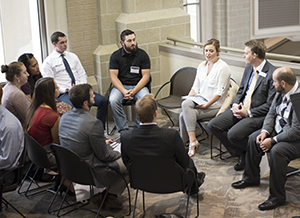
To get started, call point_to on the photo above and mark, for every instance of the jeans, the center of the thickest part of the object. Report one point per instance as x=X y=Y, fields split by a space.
x=100 y=102
x=115 y=100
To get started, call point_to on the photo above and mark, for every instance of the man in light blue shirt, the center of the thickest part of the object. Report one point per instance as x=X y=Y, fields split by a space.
x=11 y=138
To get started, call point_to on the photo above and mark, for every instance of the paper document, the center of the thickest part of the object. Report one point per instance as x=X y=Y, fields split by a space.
x=83 y=191
x=198 y=99
x=116 y=146
x=264 y=165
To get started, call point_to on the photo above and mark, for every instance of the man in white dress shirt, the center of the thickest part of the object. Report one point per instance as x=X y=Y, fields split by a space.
x=66 y=69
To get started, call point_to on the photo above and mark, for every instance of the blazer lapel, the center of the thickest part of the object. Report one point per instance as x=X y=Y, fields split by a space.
x=246 y=85
x=261 y=78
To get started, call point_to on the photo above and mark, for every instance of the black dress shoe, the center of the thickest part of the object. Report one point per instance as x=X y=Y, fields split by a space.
x=241 y=163
x=242 y=184
x=200 y=178
x=296 y=217
x=269 y=205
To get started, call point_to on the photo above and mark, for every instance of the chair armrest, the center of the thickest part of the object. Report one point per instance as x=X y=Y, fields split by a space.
x=161 y=88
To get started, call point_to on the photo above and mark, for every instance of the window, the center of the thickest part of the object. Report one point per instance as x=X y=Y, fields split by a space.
x=19 y=30
x=192 y=7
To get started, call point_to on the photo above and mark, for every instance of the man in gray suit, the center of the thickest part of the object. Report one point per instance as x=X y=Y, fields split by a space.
x=250 y=105
x=83 y=133
x=280 y=135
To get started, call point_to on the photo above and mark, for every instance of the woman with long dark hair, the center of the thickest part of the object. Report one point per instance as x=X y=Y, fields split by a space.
x=33 y=70
x=42 y=119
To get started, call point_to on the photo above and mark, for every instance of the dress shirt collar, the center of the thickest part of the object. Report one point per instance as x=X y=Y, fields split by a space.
x=261 y=66
x=292 y=91
x=147 y=124
x=57 y=54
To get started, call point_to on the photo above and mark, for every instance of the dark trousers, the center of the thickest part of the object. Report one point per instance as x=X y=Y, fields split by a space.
x=234 y=132
x=280 y=156
x=189 y=179
x=100 y=102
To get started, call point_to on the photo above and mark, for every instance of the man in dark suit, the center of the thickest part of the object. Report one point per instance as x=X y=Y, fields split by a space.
x=250 y=105
x=280 y=135
x=149 y=139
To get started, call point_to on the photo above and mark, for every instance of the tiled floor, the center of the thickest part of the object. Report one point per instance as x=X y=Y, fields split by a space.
x=216 y=197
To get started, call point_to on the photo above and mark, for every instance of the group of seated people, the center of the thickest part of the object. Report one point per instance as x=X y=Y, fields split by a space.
x=53 y=107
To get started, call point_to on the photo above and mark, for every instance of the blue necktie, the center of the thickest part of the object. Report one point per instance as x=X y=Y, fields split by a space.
x=68 y=69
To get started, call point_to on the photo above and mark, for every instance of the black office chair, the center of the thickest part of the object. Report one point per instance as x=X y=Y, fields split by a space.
x=158 y=175
x=180 y=85
x=75 y=169
x=10 y=180
x=124 y=103
x=38 y=156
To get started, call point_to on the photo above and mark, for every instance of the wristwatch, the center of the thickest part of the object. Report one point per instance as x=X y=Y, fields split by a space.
x=273 y=142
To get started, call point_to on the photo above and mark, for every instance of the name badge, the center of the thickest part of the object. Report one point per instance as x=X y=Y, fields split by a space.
x=134 y=69
x=262 y=74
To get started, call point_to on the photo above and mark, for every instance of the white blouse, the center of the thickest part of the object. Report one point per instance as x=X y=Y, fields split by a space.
x=216 y=83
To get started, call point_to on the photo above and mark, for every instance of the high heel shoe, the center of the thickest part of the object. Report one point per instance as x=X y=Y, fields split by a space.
x=195 y=144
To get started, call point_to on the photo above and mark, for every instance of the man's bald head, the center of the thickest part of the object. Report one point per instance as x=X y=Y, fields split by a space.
x=285 y=74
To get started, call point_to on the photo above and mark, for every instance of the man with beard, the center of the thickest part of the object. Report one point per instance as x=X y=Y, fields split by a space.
x=129 y=73
x=82 y=133
x=280 y=135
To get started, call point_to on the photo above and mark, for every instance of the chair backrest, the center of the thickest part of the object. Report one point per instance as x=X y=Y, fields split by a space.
x=182 y=81
x=36 y=153
x=156 y=174
x=72 y=166
x=231 y=93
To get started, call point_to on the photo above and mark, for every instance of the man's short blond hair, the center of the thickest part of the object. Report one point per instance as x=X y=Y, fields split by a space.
x=145 y=108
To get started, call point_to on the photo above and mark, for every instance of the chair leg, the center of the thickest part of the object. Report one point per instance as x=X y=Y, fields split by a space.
x=102 y=203
x=169 y=117
x=197 y=205
x=188 y=199
x=221 y=152
x=7 y=203
x=19 y=189
x=107 y=128
x=52 y=201
x=144 y=211
x=112 y=131
x=136 y=195
x=203 y=130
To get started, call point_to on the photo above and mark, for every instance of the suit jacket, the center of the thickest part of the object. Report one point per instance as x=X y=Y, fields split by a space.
x=263 y=93
x=291 y=130
x=154 y=141
x=82 y=133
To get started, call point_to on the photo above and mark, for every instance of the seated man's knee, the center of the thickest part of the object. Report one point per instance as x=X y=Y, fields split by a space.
x=275 y=151
x=212 y=125
x=252 y=138
x=233 y=136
